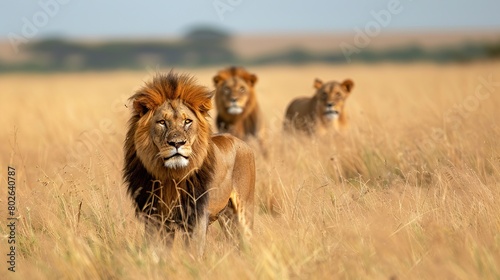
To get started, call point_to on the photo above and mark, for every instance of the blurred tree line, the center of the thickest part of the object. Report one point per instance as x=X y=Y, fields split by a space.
x=207 y=46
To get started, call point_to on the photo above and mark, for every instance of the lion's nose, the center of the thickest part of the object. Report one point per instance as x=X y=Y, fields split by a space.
x=233 y=99
x=329 y=105
x=176 y=144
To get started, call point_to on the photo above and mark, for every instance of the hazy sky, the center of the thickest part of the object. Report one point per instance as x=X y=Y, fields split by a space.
x=161 y=18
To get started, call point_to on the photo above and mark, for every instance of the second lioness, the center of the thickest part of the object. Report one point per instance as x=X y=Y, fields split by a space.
x=321 y=113
x=238 y=111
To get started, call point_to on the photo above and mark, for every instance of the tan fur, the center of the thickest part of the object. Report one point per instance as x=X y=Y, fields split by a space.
x=181 y=176
x=238 y=111
x=323 y=112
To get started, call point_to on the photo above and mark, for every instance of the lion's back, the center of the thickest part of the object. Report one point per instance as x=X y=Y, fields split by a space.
x=229 y=144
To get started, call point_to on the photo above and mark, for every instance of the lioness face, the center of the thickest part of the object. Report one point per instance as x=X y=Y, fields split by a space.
x=331 y=97
x=173 y=130
x=235 y=93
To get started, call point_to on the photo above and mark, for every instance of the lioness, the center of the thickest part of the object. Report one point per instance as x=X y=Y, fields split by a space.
x=180 y=175
x=322 y=112
x=238 y=111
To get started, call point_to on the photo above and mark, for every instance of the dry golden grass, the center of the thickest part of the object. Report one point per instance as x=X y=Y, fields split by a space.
x=411 y=192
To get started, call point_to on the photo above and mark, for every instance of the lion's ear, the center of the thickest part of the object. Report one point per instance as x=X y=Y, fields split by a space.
x=318 y=83
x=251 y=79
x=217 y=79
x=206 y=104
x=347 y=85
x=141 y=104
x=140 y=108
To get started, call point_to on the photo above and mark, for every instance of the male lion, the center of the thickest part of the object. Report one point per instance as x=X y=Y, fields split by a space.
x=181 y=176
x=237 y=108
x=322 y=112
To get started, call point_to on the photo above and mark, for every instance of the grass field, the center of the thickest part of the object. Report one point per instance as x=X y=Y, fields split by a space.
x=411 y=191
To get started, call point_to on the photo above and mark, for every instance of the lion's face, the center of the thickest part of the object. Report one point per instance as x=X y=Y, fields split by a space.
x=331 y=97
x=169 y=130
x=172 y=139
x=234 y=90
x=173 y=130
x=234 y=94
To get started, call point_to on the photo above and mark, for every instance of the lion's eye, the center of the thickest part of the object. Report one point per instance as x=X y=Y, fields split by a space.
x=161 y=122
x=242 y=89
x=226 y=90
x=188 y=121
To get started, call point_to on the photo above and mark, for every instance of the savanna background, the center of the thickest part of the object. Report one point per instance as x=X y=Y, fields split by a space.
x=410 y=191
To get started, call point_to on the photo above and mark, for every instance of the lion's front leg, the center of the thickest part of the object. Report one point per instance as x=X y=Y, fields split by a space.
x=200 y=233
x=158 y=228
x=194 y=234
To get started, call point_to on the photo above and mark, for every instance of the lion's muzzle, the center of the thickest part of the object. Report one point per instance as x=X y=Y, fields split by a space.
x=177 y=155
x=234 y=109
x=330 y=113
